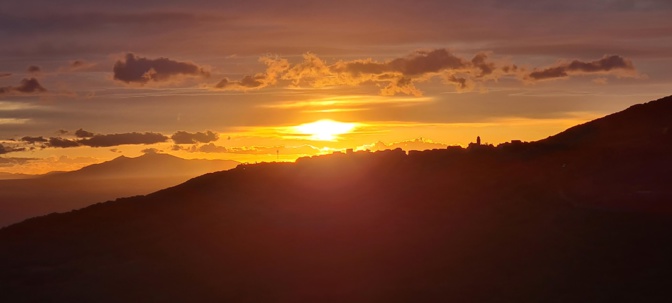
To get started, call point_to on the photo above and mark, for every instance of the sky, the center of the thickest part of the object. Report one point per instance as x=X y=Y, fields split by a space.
x=83 y=82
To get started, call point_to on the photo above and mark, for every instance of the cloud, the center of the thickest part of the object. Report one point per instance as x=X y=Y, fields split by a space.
x=396 y=76
x=400 y=75
x=182 y=137
x=26 y=86
x=137 y=70
x=34 y=69
x=2 y=75
x=124 y=138
x=80 y=133
x=33 y=140
x=608 y=64
x=9 y=149
x=62 y=143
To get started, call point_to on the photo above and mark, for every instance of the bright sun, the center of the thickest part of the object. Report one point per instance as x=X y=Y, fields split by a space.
x=325 y=130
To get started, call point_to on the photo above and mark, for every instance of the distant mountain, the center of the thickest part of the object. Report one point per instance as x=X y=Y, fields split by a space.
x=10 y=176
x=150 y=165
x=573 y=218
x=121 y=177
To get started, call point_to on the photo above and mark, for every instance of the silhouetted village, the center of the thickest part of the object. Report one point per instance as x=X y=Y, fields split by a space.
x=582 y=216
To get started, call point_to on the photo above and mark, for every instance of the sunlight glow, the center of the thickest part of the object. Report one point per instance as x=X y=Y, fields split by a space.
x=325 y=130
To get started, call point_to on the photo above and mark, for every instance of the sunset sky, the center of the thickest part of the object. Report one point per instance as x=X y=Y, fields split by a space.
x=87 y=81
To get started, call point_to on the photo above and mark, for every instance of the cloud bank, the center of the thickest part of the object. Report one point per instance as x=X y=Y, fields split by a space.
x=400 y=75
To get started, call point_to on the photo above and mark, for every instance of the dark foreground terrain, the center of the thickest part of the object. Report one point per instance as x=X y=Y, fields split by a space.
x=583 y=216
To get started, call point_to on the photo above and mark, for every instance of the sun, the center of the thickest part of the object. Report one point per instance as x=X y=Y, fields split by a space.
x=325 y=130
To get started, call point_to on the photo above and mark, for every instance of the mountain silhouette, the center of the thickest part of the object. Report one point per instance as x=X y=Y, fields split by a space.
x=583 y=216
x=120 y=177
x=148 y=165
x=11 y=176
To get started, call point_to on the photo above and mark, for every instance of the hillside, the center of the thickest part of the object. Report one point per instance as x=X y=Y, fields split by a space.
x=642 y=124
x=539 y=222
x=121 y=177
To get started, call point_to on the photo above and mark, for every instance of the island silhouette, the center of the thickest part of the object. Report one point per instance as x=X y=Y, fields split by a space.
x=582 y=216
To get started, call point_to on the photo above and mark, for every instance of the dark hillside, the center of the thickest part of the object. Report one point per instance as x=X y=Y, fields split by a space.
x=476 y=225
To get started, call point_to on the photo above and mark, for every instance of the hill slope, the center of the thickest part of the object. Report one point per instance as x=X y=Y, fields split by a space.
x=437 y=226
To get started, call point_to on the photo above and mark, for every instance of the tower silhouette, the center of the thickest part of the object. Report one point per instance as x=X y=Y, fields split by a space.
x=478 y=140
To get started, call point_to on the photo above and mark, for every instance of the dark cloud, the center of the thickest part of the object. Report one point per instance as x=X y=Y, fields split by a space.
x=121 y=139
x=80 y=133
x=138 y=70
x=607 y=64
x=33 y=140
x=182 y=137
x=62 y=143
x=423 y=62
x=9 y=149
x=2 y=75
x=26 y=86
x=480 y=61
x=62 y=131
x=34 y=69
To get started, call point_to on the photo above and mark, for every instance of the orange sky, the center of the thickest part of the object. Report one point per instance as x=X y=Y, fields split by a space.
x=85 y=82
